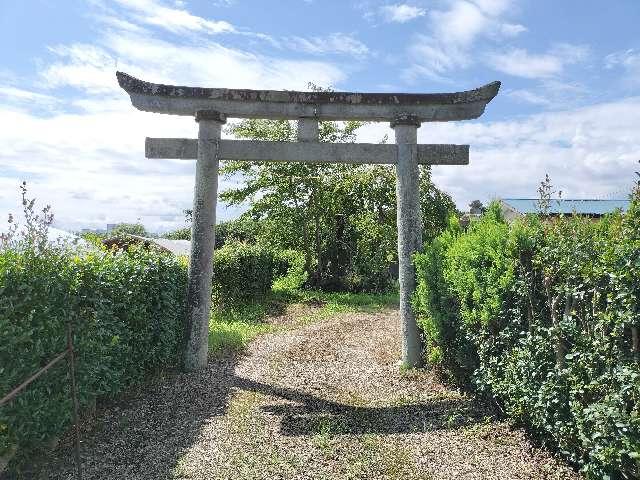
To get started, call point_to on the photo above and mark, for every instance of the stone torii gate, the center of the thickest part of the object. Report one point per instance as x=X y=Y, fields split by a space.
x=211 y=106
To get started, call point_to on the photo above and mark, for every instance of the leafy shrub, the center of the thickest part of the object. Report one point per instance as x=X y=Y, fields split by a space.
x=126 y=310
x=124 y=229
x=179 y=234
x=242 y=271
x=374 y=255
x=540 y=315
x=290 y=274
x=241 y=229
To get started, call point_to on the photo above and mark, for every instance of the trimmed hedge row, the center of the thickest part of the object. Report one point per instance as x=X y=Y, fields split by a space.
x=127 y=311
x=544 y=317
x=241 y=271
x=244 y=271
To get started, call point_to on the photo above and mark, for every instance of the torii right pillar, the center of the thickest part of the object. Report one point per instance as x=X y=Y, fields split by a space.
x=409 y=219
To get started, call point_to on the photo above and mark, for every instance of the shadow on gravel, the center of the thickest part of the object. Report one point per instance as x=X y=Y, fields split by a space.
x=144 y=435
x=312 y=414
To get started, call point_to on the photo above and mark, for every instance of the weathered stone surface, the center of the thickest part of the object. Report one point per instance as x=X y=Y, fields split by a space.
x=409 y=237
x=243 y=103
x=210 y=115
x=405 y=119
x=308 y=130
x=312 y=152
x=202 y=243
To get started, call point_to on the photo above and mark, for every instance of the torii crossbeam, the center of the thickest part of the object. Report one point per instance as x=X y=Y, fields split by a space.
x=211 y=107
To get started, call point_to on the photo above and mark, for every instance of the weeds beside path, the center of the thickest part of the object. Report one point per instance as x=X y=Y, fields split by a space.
x=310 y=400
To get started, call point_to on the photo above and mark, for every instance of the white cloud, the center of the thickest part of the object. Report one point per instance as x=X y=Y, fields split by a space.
x=433 y=60
x=461 y=24
x=512 y=29
x=589 y=152
x=529 y=97
x=454 y=32
x=91 y=167
x=83 y=66
x=90 y=164
x=493 y=7
x=520 y=63
x=336 y=43
x=92 y=67
x=629 y=61
x=176 y=20
x=401 y=12
x=13 y=94
x=571 y=53
x=626 y=58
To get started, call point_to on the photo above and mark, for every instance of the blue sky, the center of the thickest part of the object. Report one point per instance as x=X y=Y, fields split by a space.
x=569 y=104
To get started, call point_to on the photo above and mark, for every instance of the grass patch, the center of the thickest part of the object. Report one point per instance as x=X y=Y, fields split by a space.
x=339 y=302
x=233 y=327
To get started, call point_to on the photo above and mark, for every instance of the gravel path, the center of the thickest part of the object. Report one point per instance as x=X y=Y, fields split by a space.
x=322 y=401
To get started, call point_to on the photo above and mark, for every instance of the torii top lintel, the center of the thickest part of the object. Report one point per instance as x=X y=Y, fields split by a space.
x=276 y=104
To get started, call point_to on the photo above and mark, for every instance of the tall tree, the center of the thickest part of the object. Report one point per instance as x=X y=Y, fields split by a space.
x=343 y=217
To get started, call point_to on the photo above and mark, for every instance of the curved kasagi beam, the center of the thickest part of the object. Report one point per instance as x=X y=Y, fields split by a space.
x=277 y=104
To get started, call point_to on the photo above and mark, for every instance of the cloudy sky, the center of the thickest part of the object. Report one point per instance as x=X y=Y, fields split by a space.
x=569 y=104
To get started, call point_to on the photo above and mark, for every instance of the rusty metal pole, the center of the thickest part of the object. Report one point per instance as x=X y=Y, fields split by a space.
x=74 y=400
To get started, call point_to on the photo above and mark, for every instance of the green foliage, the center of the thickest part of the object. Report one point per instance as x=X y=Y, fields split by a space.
x=33 y=234
x=437 y=308
x=242 y=271
x=178 y=234
x=124 y=229
x=290 y=274
x=540 y=315
x=233 y=326
x=126 y=310
x=242 y=229
x=93 y=238
x=341 y=217
x=340 y=302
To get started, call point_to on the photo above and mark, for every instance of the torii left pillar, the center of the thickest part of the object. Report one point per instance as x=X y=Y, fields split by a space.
x=202 y=239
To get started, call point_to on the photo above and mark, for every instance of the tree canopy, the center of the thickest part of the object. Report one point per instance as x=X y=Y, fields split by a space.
x=342 y=217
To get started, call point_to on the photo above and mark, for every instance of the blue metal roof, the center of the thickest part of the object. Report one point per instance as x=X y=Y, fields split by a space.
x=579 y=206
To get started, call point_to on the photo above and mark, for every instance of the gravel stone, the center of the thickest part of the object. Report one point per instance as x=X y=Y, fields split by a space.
x=321 y=400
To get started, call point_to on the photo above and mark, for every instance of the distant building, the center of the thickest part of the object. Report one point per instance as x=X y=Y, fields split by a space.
x=111 y=226
x=513 y=208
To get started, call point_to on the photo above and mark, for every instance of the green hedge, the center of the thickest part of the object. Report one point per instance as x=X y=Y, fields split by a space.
x=539 y=315
x=127 y=311
x=243 y=271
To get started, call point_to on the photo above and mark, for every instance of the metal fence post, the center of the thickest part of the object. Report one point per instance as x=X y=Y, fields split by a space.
x=74 y=399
